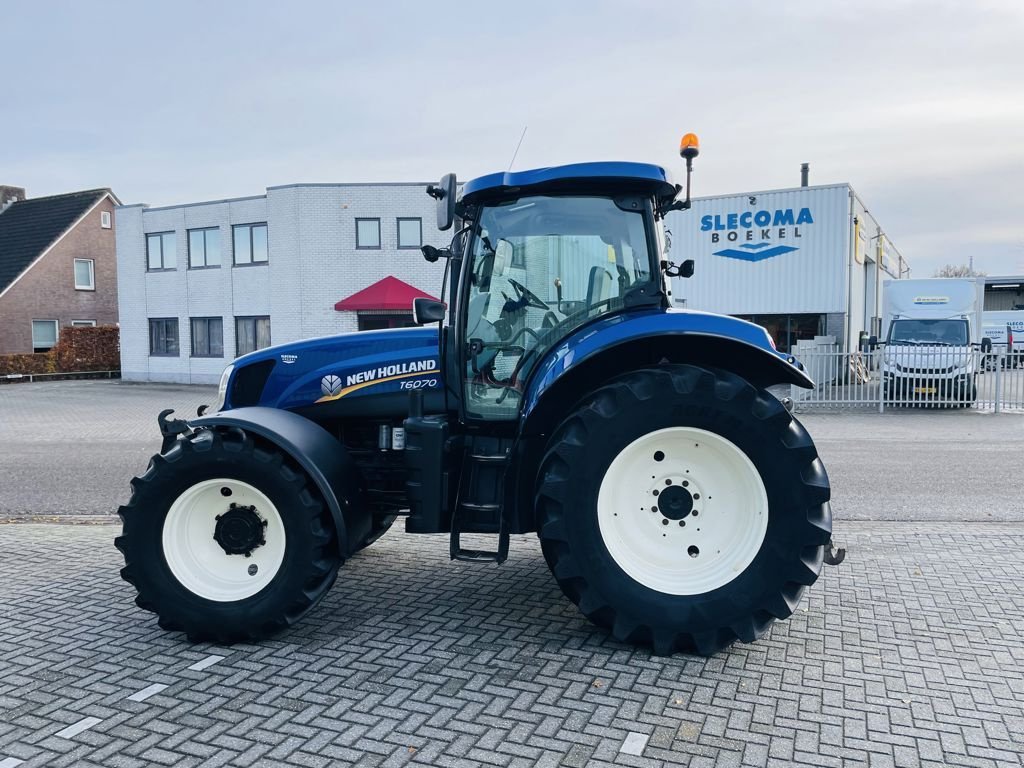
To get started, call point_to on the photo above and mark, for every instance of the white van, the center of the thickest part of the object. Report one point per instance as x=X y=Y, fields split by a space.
x=1001 y=327
x=932 y=327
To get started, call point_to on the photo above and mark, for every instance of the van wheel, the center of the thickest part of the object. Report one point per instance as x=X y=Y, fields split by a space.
x=682 y=508
x=225 y=540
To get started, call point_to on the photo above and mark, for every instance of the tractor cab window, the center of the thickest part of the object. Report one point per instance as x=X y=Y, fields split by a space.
x=539 y=268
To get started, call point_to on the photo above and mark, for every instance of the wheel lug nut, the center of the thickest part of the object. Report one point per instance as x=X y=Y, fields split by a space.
x=685 y=483
x=682 y=523
x=696 y=495
x=656 y=491
x=664 y=521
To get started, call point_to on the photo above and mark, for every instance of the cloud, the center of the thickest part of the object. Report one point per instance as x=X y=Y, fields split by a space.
x=916 y=104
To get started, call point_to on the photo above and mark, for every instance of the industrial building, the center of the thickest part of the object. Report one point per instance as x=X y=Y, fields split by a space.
x=1004 y=293
x=802 y=262
x=202 y=283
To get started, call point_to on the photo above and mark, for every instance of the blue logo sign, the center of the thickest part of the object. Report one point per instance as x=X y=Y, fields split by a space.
x=755 y=251
x=765 y=225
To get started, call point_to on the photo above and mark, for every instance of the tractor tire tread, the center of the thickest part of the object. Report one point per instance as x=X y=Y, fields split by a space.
x=695 y=388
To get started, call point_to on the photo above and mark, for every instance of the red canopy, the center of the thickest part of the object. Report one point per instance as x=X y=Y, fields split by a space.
x=389 y=293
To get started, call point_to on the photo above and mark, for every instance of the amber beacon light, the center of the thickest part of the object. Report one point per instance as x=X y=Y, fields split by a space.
x=689 y=146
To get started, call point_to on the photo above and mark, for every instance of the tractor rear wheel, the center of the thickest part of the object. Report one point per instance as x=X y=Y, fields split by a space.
x=225 y=540
x=682 y=508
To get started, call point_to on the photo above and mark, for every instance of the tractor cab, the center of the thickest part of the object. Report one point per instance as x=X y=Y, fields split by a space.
x=537 y=256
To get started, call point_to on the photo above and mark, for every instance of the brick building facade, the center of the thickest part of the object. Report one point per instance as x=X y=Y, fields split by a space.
x=58 y=266
x=204 y=282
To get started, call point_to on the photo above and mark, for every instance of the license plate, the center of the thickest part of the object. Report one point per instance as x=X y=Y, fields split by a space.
x=924 y=390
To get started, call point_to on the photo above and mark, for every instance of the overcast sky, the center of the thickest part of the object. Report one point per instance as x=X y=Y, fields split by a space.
x=920 y=106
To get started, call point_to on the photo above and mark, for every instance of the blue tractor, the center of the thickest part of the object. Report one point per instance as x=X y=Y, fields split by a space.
x=555 y=391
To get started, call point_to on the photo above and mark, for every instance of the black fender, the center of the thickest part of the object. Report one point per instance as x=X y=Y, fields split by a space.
x=319 y=454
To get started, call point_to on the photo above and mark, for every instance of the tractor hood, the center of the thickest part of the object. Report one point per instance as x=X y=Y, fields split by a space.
x=347 y=368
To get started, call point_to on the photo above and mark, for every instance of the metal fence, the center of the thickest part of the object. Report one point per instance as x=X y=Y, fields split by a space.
x=906 y=376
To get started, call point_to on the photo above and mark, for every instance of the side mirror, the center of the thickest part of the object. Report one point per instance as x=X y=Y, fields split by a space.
x=986 y=344
x=444 y=193
x=426 y=310
x=686 y=268
x=432 y=254
x=872 y=342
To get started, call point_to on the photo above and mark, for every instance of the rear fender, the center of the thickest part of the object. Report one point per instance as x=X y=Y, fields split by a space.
x=625 y=342
x=319 y=454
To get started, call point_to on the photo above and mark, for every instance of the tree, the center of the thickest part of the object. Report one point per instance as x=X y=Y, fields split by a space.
x=958 y=270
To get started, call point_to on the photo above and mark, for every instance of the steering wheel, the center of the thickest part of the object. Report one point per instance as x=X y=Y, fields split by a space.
x=531 y=297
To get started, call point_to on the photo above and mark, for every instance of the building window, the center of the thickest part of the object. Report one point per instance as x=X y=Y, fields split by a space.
x=207 y=337
x=518 y=257
x=251 y=333
x=163 y=337
x=160 y=250
x=410 y=233
x=44 y=335
x=368 y=233
x=85 y=275
x=375 y=321
x=83 y=323
x=251 y=244
x=203 y=248
x=105 y=219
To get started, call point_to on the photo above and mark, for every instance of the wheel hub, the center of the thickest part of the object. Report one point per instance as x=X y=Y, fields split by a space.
x=240 y=530
x=675 y=502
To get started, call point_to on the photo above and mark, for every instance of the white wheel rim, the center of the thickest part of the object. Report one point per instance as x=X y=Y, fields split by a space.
x=199 y=562
x=718 y=538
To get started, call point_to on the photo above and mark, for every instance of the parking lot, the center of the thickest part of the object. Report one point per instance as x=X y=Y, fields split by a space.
x=908 y=653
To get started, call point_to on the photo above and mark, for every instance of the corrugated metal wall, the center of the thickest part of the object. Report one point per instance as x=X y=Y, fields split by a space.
x=752 y=257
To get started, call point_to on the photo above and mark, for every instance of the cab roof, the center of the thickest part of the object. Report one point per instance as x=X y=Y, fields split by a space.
x=618 y=177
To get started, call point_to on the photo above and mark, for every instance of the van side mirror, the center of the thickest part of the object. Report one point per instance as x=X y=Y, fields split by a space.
x=986 y=344
x=444 y=193
x=872 y=342
x=686 y=268
x=426 y=310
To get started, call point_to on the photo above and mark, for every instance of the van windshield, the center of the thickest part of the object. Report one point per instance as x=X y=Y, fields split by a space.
x=943 y=333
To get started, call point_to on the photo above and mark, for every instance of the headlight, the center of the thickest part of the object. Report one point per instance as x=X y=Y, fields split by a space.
x=222 y=389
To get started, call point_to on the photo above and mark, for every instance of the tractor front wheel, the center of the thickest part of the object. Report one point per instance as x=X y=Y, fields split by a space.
x=225 y=540
x=682 y=508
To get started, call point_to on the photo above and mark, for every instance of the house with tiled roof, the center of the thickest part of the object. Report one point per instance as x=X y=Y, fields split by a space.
x=58 y=266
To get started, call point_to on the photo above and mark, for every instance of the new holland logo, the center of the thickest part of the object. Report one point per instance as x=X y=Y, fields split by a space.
x=755 y=251
x=330 y=385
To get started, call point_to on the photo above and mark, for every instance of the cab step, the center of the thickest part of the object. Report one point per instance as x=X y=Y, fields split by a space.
x=500 y=555
x=478 y=505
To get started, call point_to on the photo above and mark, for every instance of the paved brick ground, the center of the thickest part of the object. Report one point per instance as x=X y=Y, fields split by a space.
x=909 y=653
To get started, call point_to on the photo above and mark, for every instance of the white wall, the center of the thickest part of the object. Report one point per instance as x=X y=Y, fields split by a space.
x=811 y=279
x=837 y=268
x=313 y=263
